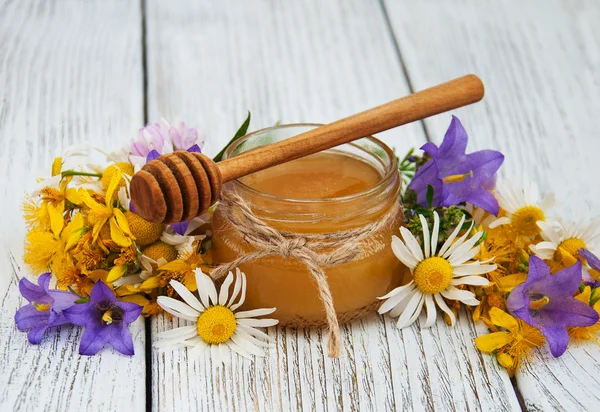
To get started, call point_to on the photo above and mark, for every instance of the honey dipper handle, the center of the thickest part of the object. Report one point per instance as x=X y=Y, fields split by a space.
x=438 y=99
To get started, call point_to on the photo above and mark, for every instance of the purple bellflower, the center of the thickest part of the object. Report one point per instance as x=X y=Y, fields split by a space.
x=546 y=301
x=156 y=139
x=594 y=262
x=455 y=176
x=45 y=308
x=105 y=319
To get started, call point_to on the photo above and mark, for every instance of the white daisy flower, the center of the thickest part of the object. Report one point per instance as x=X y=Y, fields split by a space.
x=185 y=243
x=523 y=205
x=570 y=237
x=217 y=325
x=436 y=273
x=71 y=158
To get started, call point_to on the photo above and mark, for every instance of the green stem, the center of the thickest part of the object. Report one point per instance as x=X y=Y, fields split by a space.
x=75 y=173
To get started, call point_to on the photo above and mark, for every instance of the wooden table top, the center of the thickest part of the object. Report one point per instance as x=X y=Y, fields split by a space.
x=95 y=71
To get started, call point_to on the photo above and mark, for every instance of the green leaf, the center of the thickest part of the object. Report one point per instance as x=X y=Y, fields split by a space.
x=429 y=196
x=240 y=132
x=83 y=300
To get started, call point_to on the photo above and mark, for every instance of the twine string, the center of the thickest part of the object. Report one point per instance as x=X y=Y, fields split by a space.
x=315 y=251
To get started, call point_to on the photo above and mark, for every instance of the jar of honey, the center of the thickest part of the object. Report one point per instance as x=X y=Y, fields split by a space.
x=347 y=187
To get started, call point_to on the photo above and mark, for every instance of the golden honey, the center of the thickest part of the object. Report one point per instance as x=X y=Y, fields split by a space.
x=344 y=188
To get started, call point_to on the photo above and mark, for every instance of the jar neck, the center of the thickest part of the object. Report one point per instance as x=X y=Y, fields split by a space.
x=327 y=214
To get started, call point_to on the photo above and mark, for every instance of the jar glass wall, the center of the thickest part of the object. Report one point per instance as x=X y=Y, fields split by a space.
x=285 y=283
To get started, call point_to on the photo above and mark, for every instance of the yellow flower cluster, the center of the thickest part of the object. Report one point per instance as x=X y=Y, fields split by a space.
x=81 y=229
x=510 y=240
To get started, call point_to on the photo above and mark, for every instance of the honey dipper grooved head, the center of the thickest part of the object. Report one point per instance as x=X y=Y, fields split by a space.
x=175 y=187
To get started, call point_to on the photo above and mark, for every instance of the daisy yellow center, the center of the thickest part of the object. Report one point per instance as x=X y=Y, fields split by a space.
x=525 y=219
x=216 y=325
x=572 y=246
x=433 y=275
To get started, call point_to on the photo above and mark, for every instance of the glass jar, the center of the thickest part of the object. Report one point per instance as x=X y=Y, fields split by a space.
x=285 y=283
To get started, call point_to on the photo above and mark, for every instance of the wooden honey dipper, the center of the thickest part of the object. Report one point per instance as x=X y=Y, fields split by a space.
x=180 y=186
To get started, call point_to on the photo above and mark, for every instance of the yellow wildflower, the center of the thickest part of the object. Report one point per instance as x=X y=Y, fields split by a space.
x=49 y=249
x=100 y=214
x=581 y=333
x=489 y=297
x=120 y=167
x=513 y=343
x=179 y=270
x=35 y=214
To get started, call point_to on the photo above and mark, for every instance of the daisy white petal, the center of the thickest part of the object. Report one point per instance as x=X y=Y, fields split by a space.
x=397 y=290
x=411 y=243
x=415 y=304
x=177 y=332
x=444 y=307
x=426 y=238
x=499 y=222
x=215 y=355
x=464 y=296
x=549 y=231
x=242 y=277
x=470 y=280
x=403 y=254
x=260 y=323
x=196 y=351
x=547 y=202
x=187 y=296
x=206 y=288
x=473 y=269
x=400 y=306
x=177 y=308
x=458 y=243
x=246 y=336
x=224 y=291
x=237 y=287
x=431 y=311
x=247 y=345
x=455 y=256
x=254 y=312
x=452 y=236
x=435 y=233
x=391 y=302
x=458 y=258
x=238 y=349
x=256 y=333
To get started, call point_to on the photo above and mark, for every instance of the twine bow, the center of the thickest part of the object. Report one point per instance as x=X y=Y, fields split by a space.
x=315 y=251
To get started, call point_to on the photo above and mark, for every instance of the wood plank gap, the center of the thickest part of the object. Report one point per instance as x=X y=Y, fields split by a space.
x=148 y=321
x=518 y=393
x=403 y=67
x=144 y=59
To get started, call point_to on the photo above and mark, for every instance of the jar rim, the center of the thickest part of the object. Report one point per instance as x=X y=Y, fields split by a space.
x=389 y=173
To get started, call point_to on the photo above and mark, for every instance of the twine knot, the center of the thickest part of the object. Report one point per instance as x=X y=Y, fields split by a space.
x=315 y=251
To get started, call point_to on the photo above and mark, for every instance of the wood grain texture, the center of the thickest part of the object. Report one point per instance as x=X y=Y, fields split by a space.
x=541 y=66
x=70 y=72
x=302 y=62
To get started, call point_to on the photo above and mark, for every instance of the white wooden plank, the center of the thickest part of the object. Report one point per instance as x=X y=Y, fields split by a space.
x=69 y=73
x=302 y=61
x=540 y=62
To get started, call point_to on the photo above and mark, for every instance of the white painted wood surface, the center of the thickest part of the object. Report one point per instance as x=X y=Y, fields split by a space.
x=73 y=71
x=297 y=62
x=70 y=72
x=540 y=61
